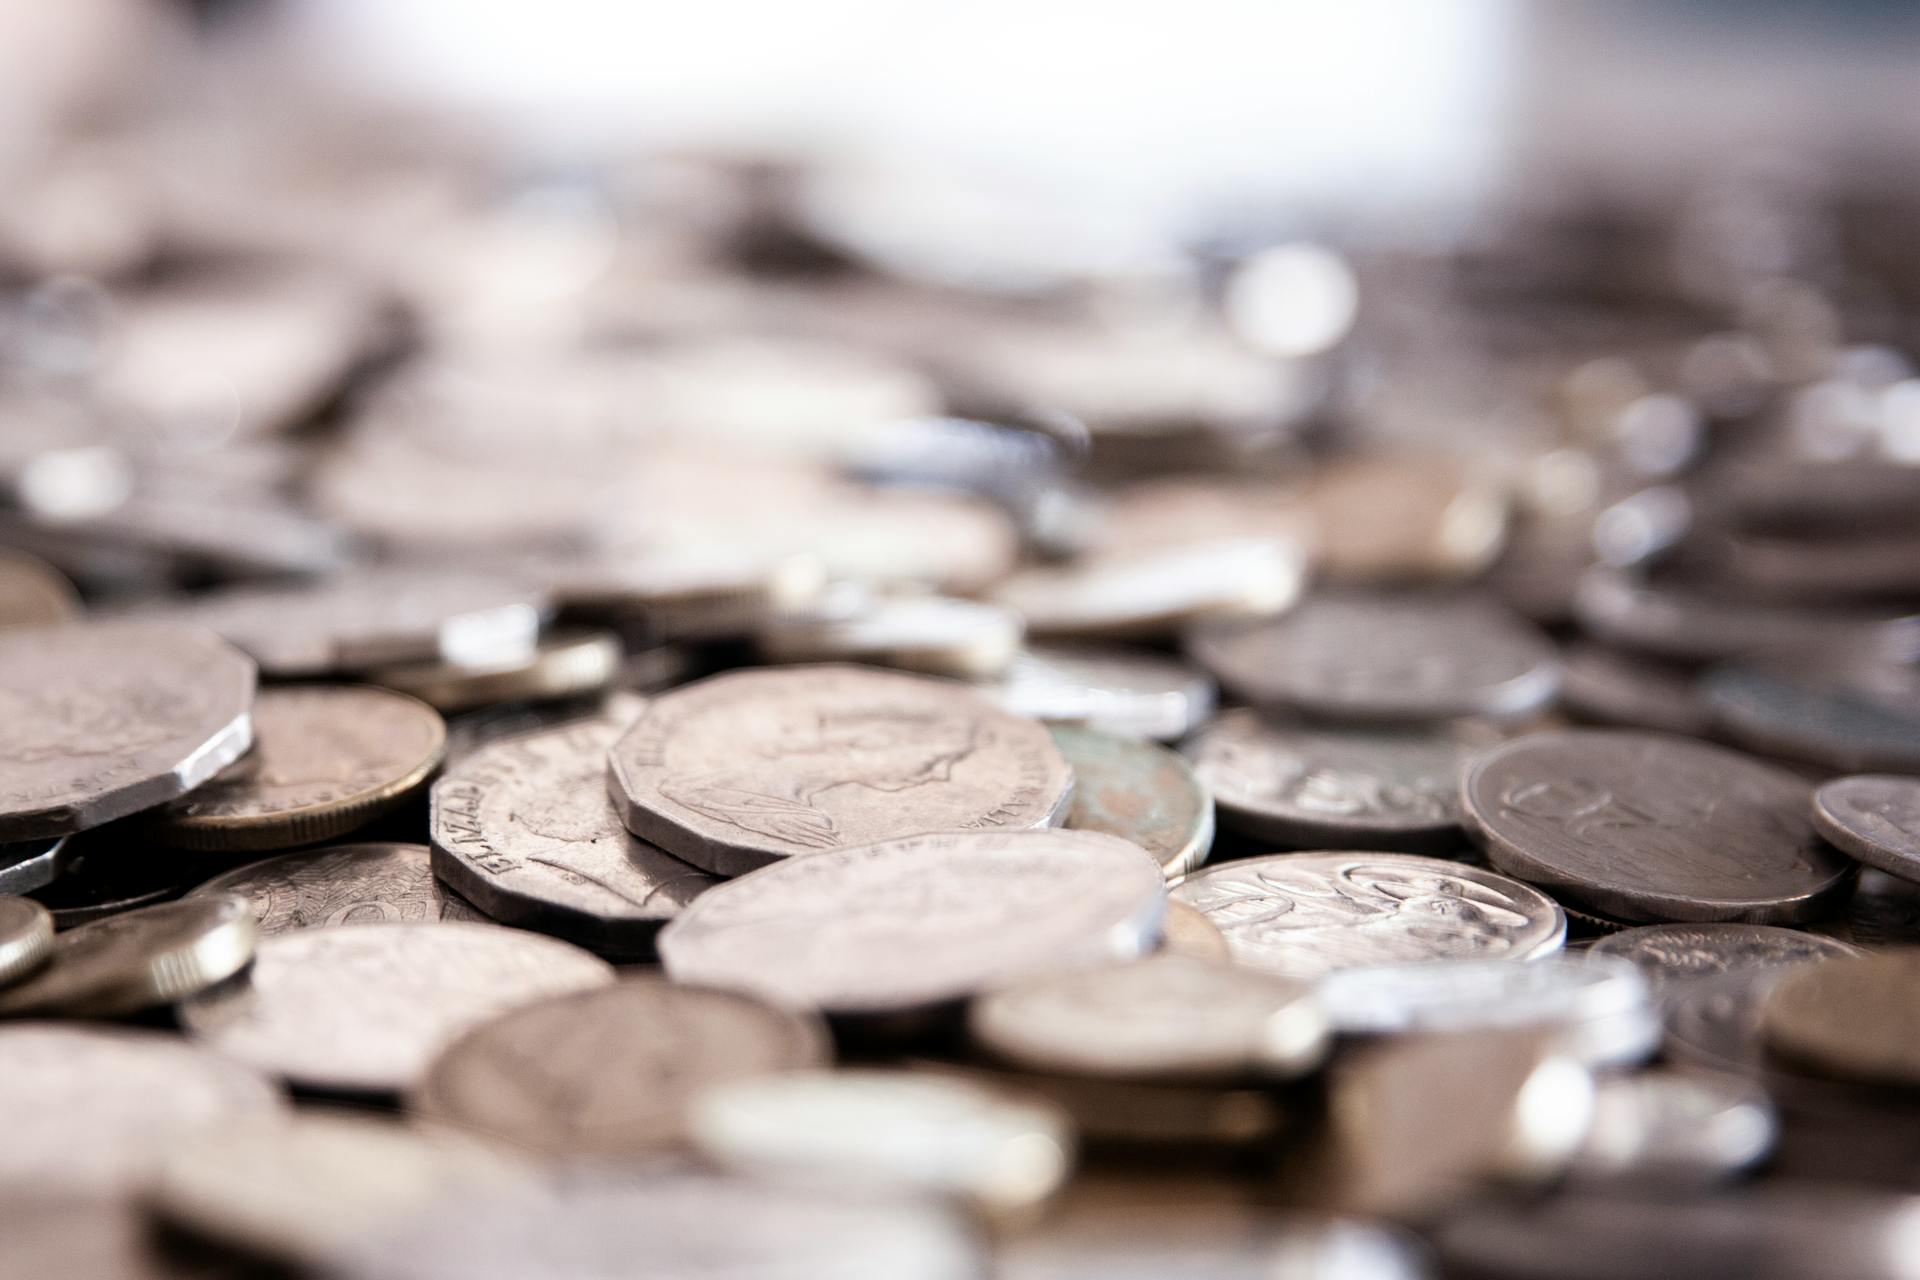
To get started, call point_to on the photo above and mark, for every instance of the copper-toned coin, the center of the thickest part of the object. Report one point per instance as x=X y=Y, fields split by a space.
x=565 y=664
x=33 y=593
x=1137 y=694
x=106 y=718
x=1302 y=915
x=1385 y=658
x=138 y=959
x=745 y=769
x=1139 y=792
x=325 y=760
x=920 y=921
x=525 y=829
x=1158 y=592
x=1187 y=932
x=26 y=938
x=610 y=1072
x=1857 y=1017
x=343 y=884
x=1856 y=717
x=1672 y=955
x=1873 y=819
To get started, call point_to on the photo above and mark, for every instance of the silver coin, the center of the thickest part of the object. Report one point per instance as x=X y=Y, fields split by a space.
x=138 y=959
x=1147 y=1238
x=343 y=884
x=1714 y=1022
x=1675 y=1128
x=27 y=865
x=1609 y=686
x=1303 y=915
x=104 y=719
x=744 y=769
x=525 y=829
x=1856 y=718
x=26 y=938
x=966 y=639
x=1140 y=792
x=1873 y=819
x=1156 y=592
x=1671 y=954
x=365 y=1010
x=1134 y=694
x=99 y=1238
x=916 y=922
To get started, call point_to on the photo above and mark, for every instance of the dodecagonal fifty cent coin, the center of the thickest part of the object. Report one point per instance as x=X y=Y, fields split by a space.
x=525 y=828
x=1874 y=818
x=343 y=884
x=107 y=718
x=1648 y=827
x=744 y=769
x=1138 y=791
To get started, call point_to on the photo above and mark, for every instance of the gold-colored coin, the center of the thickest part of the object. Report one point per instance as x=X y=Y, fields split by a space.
x=26 y=938
x=1186 y=931
x=326 y=759
x=1851 y=1016
x=565 y=664
x=138 y=959
x=33 y=593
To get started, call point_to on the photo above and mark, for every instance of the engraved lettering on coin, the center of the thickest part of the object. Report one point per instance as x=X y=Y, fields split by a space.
x=1139 y=792
x=1875 y=819
x=343 y=884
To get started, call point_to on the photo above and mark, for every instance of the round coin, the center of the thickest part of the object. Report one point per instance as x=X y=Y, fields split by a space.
x=1670 y=622
x=525 y=829
x=107 y=718
x=966 y=639
x=1860 y=718
x=344 y=884
x=1304 y=915
x=744 y=769
x=1645 y=827
x=566 y=664
x=1857 y=1017
x=1155 y=593
x=920 y=921
x=1675 y=1128
x=1873 y=819
x=33 y=593
x=1139 y=792
x=138 y=959
x=1134 y=694
x=1609 y=686
x=99 y=1238
x=365 y=1010
x=1673 y=954
x=609 y=1072
x=325 y=759
x=26 y=938
x=1375 y=659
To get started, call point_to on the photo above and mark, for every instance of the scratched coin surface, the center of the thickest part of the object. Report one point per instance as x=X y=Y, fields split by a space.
x=138 y=959
x=1139 y=792
x=1857 y=1017
x=325 y=759
x=107 y=718
x=33 y=593
x=744 y=769
x=919 y=921
x=1642 y=827
x=1138 y=694
x=26 y=938
x=525 y=829
x=1875 y=819
x=609 y=1072
x=1385 y=659
x=1304 y=915
x=1311 y=786
x=1675 y=954
x=343 y=884
x=365 y=1010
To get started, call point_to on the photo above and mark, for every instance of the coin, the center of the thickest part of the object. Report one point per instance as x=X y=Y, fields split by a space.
x=1311 y=786
x=1303 y=915
x=1673 y=954
x=915 y=922
x=1645 y=827
x=1676 y=1129
x=1884 y=910
x=26 y=938
x=99 y=1238
x=1858 y=719
x=33 y=593
x=610 y=1072
x=343 y=884
x=365 y=1010
x=1164 y=1017
x=109 y=873
x=967 y=639
x=325 y=760
x=1187 y=932
x=1154 y=593
x=1692 y=626
x=1139 y=792
x=92 y=1110
x=27 y=865
x=744 y=769
x=104 y=719
x=138 y=959
x=1873 y=819
x=565 y=664
x=692 y=591
x=1123 y=691
x=1403 y=519
x=1385 y=659
x=1856 y=1017
x=1613 y=687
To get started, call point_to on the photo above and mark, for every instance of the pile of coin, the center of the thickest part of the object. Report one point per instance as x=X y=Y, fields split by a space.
x=833 y=745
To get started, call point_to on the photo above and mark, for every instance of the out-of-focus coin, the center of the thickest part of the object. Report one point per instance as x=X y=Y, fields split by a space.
x=33 y=593
x=1156 y=593
x=1403 y=520
x=916 y=922
x=968 y=639
x=1714 y=1022
x=1672 y=954
x=1313 y=786
x=1164 y=1017
x=343 y=884
x=94 y=1109
x=365 y=1010
x=1613 y=687
x=26 y=865
x=1139 y=792
x=1873 y=819
x=101 y=1238
x=833 y=757
x=1646 y=827
x=325 y=759
x=104 y=719
x=1302 y=915
x=1675 y=1128
x=26 y=938
x=892 y=1132
x=610 y=1072
x=1884 y=910
x=565 y=664
x=525 y=829
x=1690 y=626
x=138 y=959
x=1858 y=719
x=692 y=591
x=1384 y=658
x=1187 y=932
x=1857 y=1017
x=1136 y=694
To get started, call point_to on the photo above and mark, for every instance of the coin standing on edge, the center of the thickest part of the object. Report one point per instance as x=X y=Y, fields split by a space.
x=26 y=938
x=343 y=884
x=138 y=959
x=1139 y=792
x=1874 y=819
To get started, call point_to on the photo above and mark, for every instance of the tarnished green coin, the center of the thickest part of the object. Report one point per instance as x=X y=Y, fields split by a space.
x=1138 y=791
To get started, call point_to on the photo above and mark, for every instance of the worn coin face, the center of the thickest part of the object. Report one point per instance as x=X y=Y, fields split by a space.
x=1385 y=659
x=1856 y=1017
x=344 y=884
x=104 y=719
x=1166 y=1016
x=610 y=1072
x=1303 y=915
x=1644 y=827
x=1139 y=792
x=565 y=664
x=1140 y=695
x=938 y=636
x=919 y=921
x=525 y=828
x=325 y=759
x=26 y=938
x=93 y=1110
x=33 y=593
x=138 y=959
x=745 y=769
x=1313 y=786
x=26 y=865
x=1673 y=954
x=365 y=1010
x=1157 y=592
x=1873 y=819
